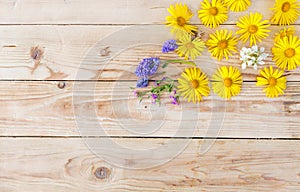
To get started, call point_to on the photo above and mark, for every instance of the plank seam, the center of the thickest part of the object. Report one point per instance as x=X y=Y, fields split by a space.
x=129 y=137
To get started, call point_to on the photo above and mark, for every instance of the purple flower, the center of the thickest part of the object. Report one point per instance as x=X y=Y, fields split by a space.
x=175 y=101
x=143 y=82
x=135 y=93
x=169 y=45
x=154 y=96
x=147 y=67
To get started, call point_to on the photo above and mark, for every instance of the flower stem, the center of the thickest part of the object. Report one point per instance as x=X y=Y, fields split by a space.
x=181 y=62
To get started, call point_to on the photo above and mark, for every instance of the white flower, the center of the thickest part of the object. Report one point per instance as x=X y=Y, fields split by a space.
x=252 y=56
x=244 y=65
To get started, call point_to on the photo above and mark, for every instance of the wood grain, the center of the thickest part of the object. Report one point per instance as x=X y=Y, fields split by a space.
x=99 y=52
x=30 y=164
x=110 y=109
x=105 y=12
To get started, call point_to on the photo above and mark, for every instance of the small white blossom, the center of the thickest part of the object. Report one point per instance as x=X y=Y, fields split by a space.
x=253 y=56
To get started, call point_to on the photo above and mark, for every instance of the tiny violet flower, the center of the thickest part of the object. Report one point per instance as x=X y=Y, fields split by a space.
x=253 y=56
x=154 y=96
x=169 y=45
x=175 y=101
x=143 y=82
x=135 y=93
x=175 y=98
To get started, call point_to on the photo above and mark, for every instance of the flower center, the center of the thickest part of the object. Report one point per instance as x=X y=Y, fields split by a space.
x=213 y=11
x=190 y=45
x=283 y=34
x=286 y=7
x=223 y=44
x=252 y=29
x=290 y=52
x=227 y=82
x=195 y=84
x=181 y=21
x=272 y=81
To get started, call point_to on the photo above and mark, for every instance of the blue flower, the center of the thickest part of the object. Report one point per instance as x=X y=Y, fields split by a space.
x=169 y=45
x=147 y=67
x=143 y=82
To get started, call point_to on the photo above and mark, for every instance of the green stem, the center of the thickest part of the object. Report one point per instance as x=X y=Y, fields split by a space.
x=181 y=61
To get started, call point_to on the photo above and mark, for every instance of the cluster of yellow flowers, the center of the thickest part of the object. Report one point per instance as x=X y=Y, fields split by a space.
x=252 y=28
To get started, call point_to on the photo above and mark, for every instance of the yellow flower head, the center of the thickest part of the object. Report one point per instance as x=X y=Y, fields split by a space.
x=227 y=82
x=213 y=13
x=179 y=20
x=286 y=12
x=287 y=52
x=238 y=5
x=193 y=84
x=273 y=81
x=285 y=32
x=221 y=44
x=189 y=47
x=253 y=27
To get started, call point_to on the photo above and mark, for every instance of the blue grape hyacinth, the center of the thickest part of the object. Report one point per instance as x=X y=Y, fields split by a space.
x=143 y=82
x=169 y=45
x=147 y=67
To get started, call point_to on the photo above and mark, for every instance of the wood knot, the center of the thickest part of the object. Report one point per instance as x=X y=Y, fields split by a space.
x=61 y=85
x=36 y=53
x=105 y=52
x=102 y=173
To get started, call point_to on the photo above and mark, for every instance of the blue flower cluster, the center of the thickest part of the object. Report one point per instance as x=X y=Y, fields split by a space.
x=169 y=45
x=145 y=69
x=143 y=82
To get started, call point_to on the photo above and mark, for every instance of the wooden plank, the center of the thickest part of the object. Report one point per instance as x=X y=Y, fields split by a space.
x=98 y=52
x=105 y=12
x=230 y=165
x=110 y=109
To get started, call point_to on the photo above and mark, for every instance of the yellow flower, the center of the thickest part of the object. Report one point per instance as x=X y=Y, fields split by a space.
x=238 y=5
x=286 y=12
x=188 y=47
x=253 y=28
x=179 y=20
x=213 y=13
x=193 y=84
x=227 y=82
x=285 y=32
x=221 y=44
x=274 y=82
x=287 y=52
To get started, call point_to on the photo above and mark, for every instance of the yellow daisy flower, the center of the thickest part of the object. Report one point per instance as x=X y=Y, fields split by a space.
x=238 y=5
x=285 y=32
x=227 y=82
x=193 y=84
x=287 y=52
x=213 y=13
x=189 y=47
x=286 y=12
x=221 y=44
x=252 y=27
x=179 y=20
x=274 y=82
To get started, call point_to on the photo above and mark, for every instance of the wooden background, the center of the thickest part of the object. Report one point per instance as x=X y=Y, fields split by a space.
x=44 y=45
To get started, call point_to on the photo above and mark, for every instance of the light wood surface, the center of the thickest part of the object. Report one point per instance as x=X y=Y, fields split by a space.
x=79 y=52
x=230 y=165
x=106 y=12
x=42 y=108
x=65 y=71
